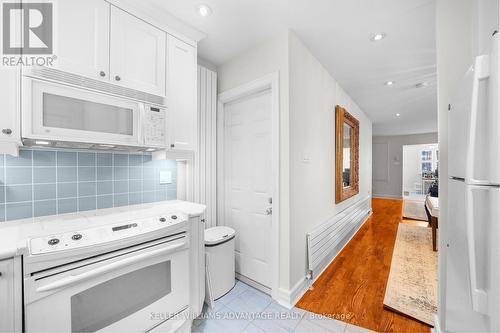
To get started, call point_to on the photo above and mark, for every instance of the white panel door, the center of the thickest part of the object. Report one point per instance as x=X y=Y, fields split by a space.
x=82 y=37
x=182 y=76
x=248 y=183
x=138 y=52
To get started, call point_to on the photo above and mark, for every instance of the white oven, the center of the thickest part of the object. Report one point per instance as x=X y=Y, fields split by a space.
x=60 y=114
x=134 y=289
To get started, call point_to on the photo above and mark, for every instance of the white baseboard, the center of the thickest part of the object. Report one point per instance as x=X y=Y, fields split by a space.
x=288 y=298
x=436 y=328
x=387 y=196
x=253 y=284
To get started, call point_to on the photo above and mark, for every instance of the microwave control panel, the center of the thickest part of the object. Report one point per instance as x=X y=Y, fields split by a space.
x=155 y=126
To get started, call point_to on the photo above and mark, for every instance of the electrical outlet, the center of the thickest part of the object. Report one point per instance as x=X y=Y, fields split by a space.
x=165 y=177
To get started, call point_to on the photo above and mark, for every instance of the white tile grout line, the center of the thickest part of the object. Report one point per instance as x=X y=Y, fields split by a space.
x=4 y=189
x=32 y=185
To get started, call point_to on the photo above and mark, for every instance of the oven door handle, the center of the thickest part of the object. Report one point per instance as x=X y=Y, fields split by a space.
x=72 y=279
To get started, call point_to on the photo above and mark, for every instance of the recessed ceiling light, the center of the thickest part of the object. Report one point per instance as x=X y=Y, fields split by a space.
x=421 y=85
x=398 y=114
x=378 y=37
x=204 y=10
x=389 y=83
x=42 y=143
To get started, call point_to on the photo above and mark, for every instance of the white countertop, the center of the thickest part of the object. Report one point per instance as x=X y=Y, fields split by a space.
x=14 y=234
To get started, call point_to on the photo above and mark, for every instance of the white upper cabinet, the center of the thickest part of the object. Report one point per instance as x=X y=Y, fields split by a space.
x=83 y=37
x=181 y=94
x=137 y=53
x=10 y=129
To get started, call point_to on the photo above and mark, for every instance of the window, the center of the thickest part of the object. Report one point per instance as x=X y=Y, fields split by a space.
x=427 y=155
x=426 y=166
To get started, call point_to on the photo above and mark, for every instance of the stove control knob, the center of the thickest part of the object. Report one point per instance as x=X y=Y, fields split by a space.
x=162 y=219
x=53 y=241
x=76 y=237
x=174 y=217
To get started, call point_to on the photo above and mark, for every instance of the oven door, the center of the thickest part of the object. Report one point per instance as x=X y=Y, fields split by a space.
x=58 y=112
x=132 y=292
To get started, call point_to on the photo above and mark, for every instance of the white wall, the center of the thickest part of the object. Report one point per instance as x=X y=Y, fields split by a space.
x=313 y=96
x=308 y=95
x=392 y=187
x=454 y=55
x=411 y=167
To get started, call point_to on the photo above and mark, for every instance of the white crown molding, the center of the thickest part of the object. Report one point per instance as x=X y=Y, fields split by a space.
x=162 y=19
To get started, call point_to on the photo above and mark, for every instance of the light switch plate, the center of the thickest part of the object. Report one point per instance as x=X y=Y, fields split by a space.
x=165 y=177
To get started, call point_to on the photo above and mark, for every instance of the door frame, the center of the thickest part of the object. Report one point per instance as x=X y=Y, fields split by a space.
x=270 y=81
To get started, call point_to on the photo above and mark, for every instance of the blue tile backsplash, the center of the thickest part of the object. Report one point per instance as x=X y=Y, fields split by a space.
x=50 y=182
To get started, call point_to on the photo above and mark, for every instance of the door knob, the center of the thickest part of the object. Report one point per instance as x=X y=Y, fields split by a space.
x=117 y=78
x=7 y=131
x=269 y=211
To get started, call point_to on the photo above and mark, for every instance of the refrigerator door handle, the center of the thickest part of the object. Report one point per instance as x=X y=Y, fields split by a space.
x=481 y=72
x=479 y=296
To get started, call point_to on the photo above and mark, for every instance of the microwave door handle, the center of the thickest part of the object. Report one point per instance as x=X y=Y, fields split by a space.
x=481 y=72
x=72 y=279
x=478 y=295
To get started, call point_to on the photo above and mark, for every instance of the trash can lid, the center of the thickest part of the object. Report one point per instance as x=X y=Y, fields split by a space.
x=218 y=235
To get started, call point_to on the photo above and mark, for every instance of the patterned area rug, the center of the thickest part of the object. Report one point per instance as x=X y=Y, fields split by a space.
x=412 y=285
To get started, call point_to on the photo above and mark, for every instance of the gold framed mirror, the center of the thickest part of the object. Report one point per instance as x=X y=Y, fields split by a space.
x=346 y=155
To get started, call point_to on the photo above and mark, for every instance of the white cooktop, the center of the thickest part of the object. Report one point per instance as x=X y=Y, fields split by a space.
x=105 y=234
x=16 y=235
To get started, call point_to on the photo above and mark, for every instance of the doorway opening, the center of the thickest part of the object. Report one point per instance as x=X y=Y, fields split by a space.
x=420 y=174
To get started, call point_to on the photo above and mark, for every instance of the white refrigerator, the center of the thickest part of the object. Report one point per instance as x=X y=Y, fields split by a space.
x=472 y=285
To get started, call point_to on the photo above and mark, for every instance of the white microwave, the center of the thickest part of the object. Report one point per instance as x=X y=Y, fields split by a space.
x=61 y=115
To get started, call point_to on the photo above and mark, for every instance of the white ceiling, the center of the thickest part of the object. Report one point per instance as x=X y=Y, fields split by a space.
x=337 y=32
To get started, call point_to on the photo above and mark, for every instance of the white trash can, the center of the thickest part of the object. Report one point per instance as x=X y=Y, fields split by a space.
x=219 y=247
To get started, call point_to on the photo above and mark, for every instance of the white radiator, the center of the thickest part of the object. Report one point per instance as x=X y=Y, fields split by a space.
x=326 y=241
x=207 y=115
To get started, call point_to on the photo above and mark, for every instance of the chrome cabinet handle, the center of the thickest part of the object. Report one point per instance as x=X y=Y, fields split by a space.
x=172 y=146
x=102 y=74
x=117 y=78
x=269 y=211
x=7 y=131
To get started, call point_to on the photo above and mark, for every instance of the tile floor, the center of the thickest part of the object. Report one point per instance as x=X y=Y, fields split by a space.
x=245 y=309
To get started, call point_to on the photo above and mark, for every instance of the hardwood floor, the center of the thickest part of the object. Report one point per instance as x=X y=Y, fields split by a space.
x=354 y=284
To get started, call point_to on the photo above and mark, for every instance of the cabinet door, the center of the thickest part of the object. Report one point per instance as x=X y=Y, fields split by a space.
x=10 y=296
x=137 y=53
x=181 y=91
x=10 y=133
x=83 y=37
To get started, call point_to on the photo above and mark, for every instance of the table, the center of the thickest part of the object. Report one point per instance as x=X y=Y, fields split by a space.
x=432 y=209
